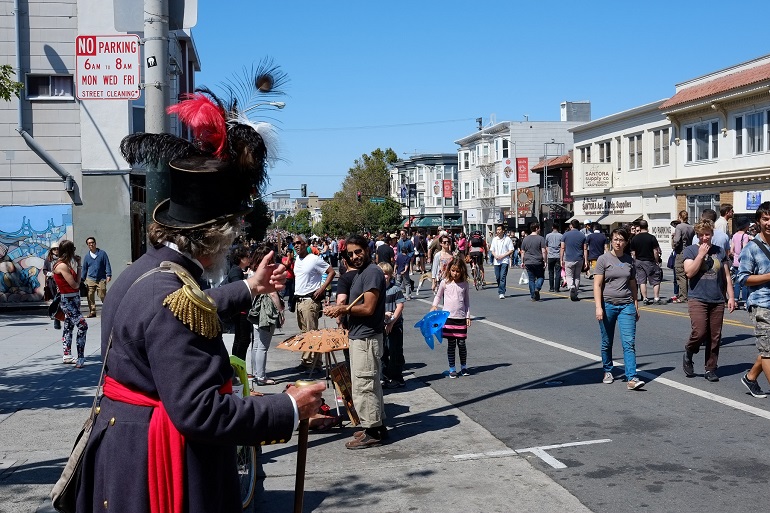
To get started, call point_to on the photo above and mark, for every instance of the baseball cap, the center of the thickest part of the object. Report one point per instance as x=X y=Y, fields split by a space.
x=587 y=221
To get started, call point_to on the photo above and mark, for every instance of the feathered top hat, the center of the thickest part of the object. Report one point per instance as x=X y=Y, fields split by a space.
x=214 y=176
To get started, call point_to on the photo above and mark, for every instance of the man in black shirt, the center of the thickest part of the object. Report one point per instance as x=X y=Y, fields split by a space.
x=384 y=252
x=366 y=319
x=646 y=252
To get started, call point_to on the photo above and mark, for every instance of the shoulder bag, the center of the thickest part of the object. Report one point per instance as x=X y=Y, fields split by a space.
x=64 y=492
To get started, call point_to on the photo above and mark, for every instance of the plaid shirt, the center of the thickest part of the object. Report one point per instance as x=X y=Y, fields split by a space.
x=754 y=261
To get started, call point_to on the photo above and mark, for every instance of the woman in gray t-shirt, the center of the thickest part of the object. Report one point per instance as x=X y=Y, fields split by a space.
x=616 y=304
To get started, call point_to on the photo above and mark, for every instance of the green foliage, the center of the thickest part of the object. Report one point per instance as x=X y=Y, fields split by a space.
x=299 y=223
x=370 y=175
x=8 y=86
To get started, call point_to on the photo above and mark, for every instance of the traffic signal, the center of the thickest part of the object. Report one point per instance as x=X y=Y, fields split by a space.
x=358 y=196
x=303 y=188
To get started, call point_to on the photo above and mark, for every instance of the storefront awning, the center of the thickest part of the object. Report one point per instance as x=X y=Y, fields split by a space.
x=610 y=219
x=434 y=221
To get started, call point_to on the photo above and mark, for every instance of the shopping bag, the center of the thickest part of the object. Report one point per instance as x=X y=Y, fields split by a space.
x=523 y=279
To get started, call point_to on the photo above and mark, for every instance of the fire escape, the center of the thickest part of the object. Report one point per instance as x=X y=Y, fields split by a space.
x=488 y=191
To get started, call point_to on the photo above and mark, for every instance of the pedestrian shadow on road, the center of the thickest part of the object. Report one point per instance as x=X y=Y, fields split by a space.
x=736 y=338
x=39 y=472
x=430 y=378
x=45 y=383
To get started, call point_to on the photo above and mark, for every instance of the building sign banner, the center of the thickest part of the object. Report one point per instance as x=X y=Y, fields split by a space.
x=567 y=185
x=753 y=200
x=437 y=188
x=508 y=174
x=447 y=188
x=597 y=175
x=522 y=169
x=595 y=207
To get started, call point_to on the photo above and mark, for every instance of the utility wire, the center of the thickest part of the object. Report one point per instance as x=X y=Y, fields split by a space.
x=369 y=127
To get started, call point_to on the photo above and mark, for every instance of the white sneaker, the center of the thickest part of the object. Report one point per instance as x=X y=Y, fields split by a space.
x=502 y=296
x=68 y=358
x=608 y=378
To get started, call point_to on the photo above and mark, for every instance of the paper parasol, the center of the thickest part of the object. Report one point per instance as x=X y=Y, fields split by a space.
x=317 y=341
x=431 y=325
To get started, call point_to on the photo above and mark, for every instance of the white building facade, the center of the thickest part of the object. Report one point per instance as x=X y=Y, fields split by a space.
x=489 y=177
x=706 y=146
x=433 y=200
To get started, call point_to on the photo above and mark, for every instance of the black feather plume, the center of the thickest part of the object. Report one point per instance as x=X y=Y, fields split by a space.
x=143 y=148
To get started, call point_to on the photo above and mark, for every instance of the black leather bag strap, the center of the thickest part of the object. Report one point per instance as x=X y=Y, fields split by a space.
x=762 y=246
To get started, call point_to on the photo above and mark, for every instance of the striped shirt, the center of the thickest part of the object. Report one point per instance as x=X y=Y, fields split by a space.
x=754 y=261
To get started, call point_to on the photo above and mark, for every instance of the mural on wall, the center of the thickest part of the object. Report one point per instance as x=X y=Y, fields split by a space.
x=26 y=234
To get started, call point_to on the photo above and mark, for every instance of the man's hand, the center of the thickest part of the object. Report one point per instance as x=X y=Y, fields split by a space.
x=268 y=277
x=335 y=311
x=599 y=313
x=318 y=294
x=308 y=398
x=109 y=278
x=703 y=249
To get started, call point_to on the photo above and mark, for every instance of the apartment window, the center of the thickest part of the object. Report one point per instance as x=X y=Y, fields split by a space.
x=754 y=132
x=605 y=150
x=506 y=151
x=739 y=135
x=635 y=151
x=697 y=204
x=506 y=188
x=467 y=190
x=473 y=189
x=420 y=199
x=420 y=174
x=466 y=159
x=702 y=141
x=55 y=87
x=618 y=151
x=585 y=154
x=660 y=146
x=497 y=150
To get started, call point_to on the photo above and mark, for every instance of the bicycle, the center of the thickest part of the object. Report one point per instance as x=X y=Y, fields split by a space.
x=478 y=274
x=246 y=455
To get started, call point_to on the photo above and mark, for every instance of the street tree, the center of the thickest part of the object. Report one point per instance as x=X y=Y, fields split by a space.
x=370 y=176
x=8 y=86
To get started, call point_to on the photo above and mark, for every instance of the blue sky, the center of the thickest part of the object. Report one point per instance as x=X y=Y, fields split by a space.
x=414 y=75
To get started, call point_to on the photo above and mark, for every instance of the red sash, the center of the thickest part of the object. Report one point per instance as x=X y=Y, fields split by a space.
x=165 y=448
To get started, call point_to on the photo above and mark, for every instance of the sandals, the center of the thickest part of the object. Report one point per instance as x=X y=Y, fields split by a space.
x=324 y=422
x=263 y=382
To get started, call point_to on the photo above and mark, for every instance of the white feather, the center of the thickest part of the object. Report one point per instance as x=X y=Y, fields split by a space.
x=267 y=131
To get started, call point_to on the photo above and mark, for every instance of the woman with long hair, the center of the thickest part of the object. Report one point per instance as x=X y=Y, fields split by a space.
x=50 y=284
x=66 y=273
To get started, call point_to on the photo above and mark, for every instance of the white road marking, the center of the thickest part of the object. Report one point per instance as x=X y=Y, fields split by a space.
x=753 y=410
x=540 y=451
x=481 y=455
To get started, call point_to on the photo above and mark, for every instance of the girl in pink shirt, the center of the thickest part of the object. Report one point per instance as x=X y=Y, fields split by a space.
x=454 y=293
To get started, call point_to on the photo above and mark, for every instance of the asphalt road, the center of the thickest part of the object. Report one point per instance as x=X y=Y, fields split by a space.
x=679 y=444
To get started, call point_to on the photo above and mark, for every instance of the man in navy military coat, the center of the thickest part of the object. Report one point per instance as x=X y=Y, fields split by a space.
x=167 y=368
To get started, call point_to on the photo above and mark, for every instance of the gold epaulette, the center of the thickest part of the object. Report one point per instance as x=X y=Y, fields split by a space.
x=190 y=304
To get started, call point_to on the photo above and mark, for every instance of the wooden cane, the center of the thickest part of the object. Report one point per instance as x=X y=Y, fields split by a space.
x=356 y=300
x=302 y=436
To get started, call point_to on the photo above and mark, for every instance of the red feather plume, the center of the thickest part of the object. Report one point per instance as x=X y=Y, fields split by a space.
x=207 y=121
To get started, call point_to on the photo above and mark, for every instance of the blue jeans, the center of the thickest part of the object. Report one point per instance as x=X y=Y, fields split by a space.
x=536 y=276
x=625 y=316
x=501 y=276
x=741 y=293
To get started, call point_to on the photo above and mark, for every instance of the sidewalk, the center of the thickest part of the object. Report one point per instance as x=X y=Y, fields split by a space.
x=43 y=404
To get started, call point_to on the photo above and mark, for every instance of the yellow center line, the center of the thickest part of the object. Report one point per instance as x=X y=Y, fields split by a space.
x=685 y=315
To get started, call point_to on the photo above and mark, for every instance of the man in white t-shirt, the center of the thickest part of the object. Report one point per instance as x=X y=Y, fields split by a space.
x=501 y=250
x=309 y=290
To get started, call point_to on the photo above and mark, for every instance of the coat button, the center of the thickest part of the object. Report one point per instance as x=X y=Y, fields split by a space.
x=272 y=443
x=112 y=421
x=105 y=504
x=98 y=409
x=281 y=441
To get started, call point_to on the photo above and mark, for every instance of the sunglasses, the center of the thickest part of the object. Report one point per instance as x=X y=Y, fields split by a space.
x=355 y=252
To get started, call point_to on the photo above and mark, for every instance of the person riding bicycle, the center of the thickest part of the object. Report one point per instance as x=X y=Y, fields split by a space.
x=478 y=251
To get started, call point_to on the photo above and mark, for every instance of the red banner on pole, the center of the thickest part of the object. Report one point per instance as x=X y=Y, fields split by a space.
x=447 y=188
x=522 y=169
